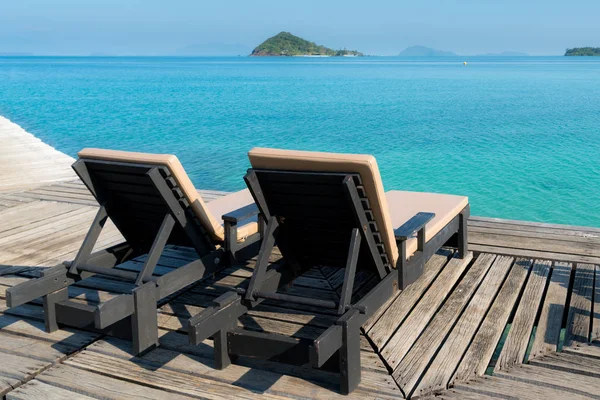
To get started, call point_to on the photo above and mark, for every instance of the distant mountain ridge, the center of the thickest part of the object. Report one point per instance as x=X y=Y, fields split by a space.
x=286 y=44
x=422 y=51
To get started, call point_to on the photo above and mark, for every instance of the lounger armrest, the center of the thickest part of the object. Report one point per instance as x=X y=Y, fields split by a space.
x=413 y=225
x=231 y=220
x=241 y=214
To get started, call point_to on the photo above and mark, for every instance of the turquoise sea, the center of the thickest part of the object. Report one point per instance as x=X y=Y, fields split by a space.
x=519 y=136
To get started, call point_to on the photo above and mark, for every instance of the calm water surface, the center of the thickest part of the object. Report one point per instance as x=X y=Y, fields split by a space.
x=519 y=136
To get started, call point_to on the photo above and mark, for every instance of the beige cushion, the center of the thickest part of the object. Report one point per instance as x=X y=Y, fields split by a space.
x=404 y=205
x=363 y=164
x=391 y=209
x=211 y=223
x=233 y=201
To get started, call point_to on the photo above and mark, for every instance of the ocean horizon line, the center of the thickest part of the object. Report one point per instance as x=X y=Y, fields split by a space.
x=282 y=57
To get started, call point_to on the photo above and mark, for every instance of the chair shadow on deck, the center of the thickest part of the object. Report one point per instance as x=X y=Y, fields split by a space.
x=27 y=316
x=261 y=375
x=566 y=275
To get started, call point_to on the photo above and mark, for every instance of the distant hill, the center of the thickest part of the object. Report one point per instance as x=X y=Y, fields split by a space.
x=504 y=54
x=422 y=51
x=286 y=44
x=583 y=51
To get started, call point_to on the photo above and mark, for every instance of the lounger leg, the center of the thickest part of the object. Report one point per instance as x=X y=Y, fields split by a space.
x=156 y=250
x=402 y=266
x=262 y=261
x=349 y=358
x=262 y=225
x=144 y=321
x=49 y=302
x=222 y=357
x=90 y=239
x=231 y=244
x=350 y=272
x=463 y=246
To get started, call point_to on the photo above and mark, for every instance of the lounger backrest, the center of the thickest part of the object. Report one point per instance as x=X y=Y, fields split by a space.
x=134 y=204
x=362 y=166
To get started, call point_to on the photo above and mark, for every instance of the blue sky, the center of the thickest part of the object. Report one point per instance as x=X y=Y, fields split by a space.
x=151 y=27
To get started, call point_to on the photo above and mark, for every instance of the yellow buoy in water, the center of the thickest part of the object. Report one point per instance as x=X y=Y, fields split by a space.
x=464 y=63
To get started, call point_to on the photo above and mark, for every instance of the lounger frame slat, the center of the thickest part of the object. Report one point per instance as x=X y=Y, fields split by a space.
x=150 y=210
x=297 y=199
x=103 y=176
x=316 y=219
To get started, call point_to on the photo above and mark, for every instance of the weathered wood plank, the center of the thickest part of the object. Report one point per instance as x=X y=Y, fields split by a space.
x=591 y=350
x=454 y=393
x=596 y=306
x=34 y=155
x=63 y=194
x=36 y=390
x=569 y=362
x=412 y=367
x=26 y=215
x=380 y=329
x=49 y=226
x=577 y=384
x=403 y=339
x=7 y=201
x=548 y=329
x=500 y=387
x=57 y=198
x=538 y=233
x=49 y=243
x=30 y=347
x=16 y=369
x=76 y=183
x=56 y=248
x=35 y=329
x=7 y=383
x=258 y=376
x=439 y=372
x=60 y=188
x=528 y=243
x=178 y=381
x=541 y=255
x=515 y=347
x=100 y=386
x=480 y=352
x=536 y=225
x=580 y=306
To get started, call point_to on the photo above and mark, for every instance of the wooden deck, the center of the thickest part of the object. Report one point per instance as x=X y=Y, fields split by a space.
x=513 y=320
x=27 y=161
x=572 y=374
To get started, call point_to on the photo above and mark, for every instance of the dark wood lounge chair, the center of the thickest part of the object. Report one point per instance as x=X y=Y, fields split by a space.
x=152 y=202
x=327 y=209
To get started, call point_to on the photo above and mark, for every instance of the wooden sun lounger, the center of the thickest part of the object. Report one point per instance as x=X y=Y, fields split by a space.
x=152 y=202
x=327 y=209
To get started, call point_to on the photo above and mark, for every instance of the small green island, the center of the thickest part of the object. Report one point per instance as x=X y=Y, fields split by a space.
x=583 y=51
x=286 y=44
